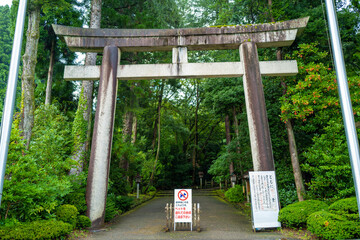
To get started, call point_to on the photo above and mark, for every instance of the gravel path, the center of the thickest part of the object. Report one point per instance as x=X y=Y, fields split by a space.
x=219 y=220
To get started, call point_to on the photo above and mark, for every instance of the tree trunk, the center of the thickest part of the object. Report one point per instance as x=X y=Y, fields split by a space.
x=128 y=125
x=157 y=151
x=300 y=189
x=236 y=128
x=196 y=134
x=158 y=112
x=134 y=130
x=82 y=123
x=228 y=140
x=28 y=76
x=299 y=183
x=270 y=11
x=126 y=137
x=50 y=74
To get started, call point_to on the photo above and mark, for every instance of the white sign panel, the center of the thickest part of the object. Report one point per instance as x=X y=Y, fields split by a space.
x=182 y=205
x=264 y=200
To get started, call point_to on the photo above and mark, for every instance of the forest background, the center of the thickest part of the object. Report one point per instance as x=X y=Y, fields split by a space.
x=168 y=131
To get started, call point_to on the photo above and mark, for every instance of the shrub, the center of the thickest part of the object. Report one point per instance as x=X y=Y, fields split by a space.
x=346 y=207
x=78 y=200
x=332 y=226
x=111 y=210
x=44 y=229
x=124 y=203
x=287 y=196
x=235 y=194
x=67 y=213
x=83 y=222
x=296 y=214
x=151 y=190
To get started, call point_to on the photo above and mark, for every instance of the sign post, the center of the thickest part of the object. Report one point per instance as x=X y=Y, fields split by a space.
x=182 y=206
x=264 y=200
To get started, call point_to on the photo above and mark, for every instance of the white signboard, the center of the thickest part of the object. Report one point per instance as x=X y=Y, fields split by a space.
x=182 y=206
x=264 y=200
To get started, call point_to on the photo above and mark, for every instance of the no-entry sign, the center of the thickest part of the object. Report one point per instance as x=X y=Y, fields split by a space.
x=182 y=205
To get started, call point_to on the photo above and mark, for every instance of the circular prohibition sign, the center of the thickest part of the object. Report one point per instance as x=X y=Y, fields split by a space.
x=183 y=195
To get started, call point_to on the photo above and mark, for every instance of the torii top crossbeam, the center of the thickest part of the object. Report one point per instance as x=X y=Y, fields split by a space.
x=279 y=34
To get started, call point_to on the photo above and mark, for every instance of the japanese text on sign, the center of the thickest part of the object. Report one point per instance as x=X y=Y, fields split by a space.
x=264 y=193
x=182 y=205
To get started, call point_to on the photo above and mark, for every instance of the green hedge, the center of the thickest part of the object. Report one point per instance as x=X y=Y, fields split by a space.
x=44 y=229
x=296 y=214
x=67 y=213
x=83 y=222
x=235 y=194
x=328 y=225
x=346 y=207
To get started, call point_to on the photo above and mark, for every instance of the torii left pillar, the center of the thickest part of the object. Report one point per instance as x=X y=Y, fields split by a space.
x=102 y=138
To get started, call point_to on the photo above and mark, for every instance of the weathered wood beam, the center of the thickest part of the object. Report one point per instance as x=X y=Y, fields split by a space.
x=198 y=42
x=299 y=24
x=230 y=37
x=181 y=70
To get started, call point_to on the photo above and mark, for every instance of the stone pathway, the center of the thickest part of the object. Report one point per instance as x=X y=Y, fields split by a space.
x=219 y=220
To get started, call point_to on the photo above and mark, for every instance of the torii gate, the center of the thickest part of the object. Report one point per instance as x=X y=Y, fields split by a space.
x=112 y=41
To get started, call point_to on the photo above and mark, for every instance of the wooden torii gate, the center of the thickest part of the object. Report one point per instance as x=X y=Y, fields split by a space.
x=112 y=42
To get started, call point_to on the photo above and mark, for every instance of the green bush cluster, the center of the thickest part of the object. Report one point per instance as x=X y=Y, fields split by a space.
x=151 y=190
x=78 y=200
x=124 y=203
x=82 y=222
x=346 y=207
x=296 y=214
x=235 y=194
x=44 y=229
x=332 y=226
x=111 y=209
x=115 y=205
x=338 y=221
x=67 y=213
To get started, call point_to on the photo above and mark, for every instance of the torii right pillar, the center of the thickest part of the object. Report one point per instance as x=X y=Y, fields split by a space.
x=261 y=149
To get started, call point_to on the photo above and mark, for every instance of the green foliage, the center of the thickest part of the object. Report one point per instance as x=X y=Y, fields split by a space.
x=5 y=51
x=151 y=190
x=313 y=91
x=77 y=198
x=51 y=141
x=235 y=194
x=296 y=214
x=45 y=229
x=34 y=184
x=80 y=126
x=124 y=203
x=328 y=162
x=346 y=207
x=67 y=213
x=332 y=226
x=82 y=222
x=111 y=209
x=287 y=196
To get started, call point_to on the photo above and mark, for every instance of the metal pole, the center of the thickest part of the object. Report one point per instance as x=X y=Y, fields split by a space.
x=11 y=92
x=347 y=112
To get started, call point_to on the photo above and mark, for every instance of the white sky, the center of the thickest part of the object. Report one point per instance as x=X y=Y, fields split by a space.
x=5 y=2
